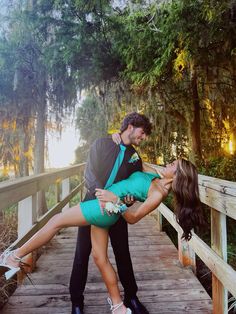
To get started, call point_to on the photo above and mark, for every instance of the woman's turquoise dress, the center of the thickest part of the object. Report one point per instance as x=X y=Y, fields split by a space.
x=137 y=185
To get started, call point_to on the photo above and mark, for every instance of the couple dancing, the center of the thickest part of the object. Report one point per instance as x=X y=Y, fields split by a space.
x=114 y=176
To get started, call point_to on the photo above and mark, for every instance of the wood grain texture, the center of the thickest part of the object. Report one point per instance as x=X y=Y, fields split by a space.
x=164 y=285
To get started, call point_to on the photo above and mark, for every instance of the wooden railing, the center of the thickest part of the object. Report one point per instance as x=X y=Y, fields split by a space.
x=23 y=192
x=220 y=196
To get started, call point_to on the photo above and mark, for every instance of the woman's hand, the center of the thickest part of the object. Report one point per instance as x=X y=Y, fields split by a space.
x=116 y=138
x=105 y=196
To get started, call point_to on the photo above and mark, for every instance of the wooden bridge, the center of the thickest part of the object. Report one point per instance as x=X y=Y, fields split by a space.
x=165 y=285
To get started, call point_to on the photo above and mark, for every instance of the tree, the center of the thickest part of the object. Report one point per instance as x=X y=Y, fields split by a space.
x=36 y=84
x=170 y=53
x=90 y=120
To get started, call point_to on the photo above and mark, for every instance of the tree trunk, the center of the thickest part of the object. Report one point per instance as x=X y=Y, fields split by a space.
x=39 y=154
x=39 y=141
x=24 y=139
x=195 y=130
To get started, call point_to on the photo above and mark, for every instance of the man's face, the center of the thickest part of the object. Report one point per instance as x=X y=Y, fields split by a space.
x=136 y=135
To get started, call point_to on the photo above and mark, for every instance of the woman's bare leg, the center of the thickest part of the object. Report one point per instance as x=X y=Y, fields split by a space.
x=68 y=218
x=99 y=238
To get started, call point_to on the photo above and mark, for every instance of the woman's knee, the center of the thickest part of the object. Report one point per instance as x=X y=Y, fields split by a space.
x=99 y=258
x=56 y=221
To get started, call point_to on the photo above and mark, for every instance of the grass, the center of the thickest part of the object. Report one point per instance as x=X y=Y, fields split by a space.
x=8 y=227
x=8 y=234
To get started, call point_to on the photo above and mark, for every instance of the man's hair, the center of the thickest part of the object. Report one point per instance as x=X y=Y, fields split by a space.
x=138 y=121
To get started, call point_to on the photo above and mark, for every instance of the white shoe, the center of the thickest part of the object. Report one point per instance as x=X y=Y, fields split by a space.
x=115 y=307
x=3 y=263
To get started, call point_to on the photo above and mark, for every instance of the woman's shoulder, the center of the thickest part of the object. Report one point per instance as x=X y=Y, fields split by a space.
x=144 y=175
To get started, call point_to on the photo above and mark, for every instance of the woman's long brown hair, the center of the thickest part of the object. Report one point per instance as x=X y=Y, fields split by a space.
x=186 y=195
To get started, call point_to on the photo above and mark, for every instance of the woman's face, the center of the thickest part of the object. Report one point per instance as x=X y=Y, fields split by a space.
x=170 y=169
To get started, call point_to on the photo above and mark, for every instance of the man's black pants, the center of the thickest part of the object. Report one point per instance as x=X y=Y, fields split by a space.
x=119 y=240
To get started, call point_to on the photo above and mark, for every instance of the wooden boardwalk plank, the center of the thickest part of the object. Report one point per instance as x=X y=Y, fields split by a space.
x=164 y=285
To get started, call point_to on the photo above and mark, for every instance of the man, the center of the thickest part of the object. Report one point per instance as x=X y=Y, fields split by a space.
x=102 y=157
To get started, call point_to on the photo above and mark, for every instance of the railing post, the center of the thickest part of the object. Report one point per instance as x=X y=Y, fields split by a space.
x=159 y=219
x=187 y=256
x=65 y=190
x=219 y=245
x=27 y=215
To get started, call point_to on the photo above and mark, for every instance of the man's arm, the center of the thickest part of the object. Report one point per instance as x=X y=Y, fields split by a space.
x=91 y=171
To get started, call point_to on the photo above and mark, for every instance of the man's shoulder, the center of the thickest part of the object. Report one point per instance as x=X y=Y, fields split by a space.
x=104 y=142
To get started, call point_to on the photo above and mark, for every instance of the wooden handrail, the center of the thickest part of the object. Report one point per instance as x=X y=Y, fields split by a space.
x=217 y=193
x=44 y=219
x=23 y=191
x=220 y=196
x=13 y=191
x=219 y=267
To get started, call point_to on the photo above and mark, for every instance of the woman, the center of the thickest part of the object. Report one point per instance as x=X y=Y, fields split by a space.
x=151 y=188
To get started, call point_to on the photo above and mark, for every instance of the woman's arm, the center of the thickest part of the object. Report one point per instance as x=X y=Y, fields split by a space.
x=136 y=212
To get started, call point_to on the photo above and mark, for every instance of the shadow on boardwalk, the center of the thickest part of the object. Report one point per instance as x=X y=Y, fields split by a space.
x=164 y=286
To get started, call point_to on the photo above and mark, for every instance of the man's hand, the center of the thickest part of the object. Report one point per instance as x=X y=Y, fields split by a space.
x=129 y=200
x=116 y=138
x=105 y=196
x=102 y=207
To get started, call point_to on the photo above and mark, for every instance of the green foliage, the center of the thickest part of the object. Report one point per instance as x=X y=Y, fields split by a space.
x=4 y=178
x=173 y=60
x=85 y=36
x=50 y=195
x=90 y=119
x=231 y=249
x=75 y=200
x=220 y=167
x=35 y=77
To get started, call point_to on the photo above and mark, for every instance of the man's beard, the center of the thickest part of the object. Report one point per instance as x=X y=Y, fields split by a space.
x=133 y=139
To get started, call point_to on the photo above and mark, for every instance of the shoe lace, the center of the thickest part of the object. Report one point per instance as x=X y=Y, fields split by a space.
x=115 y=307
x=22 y=265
